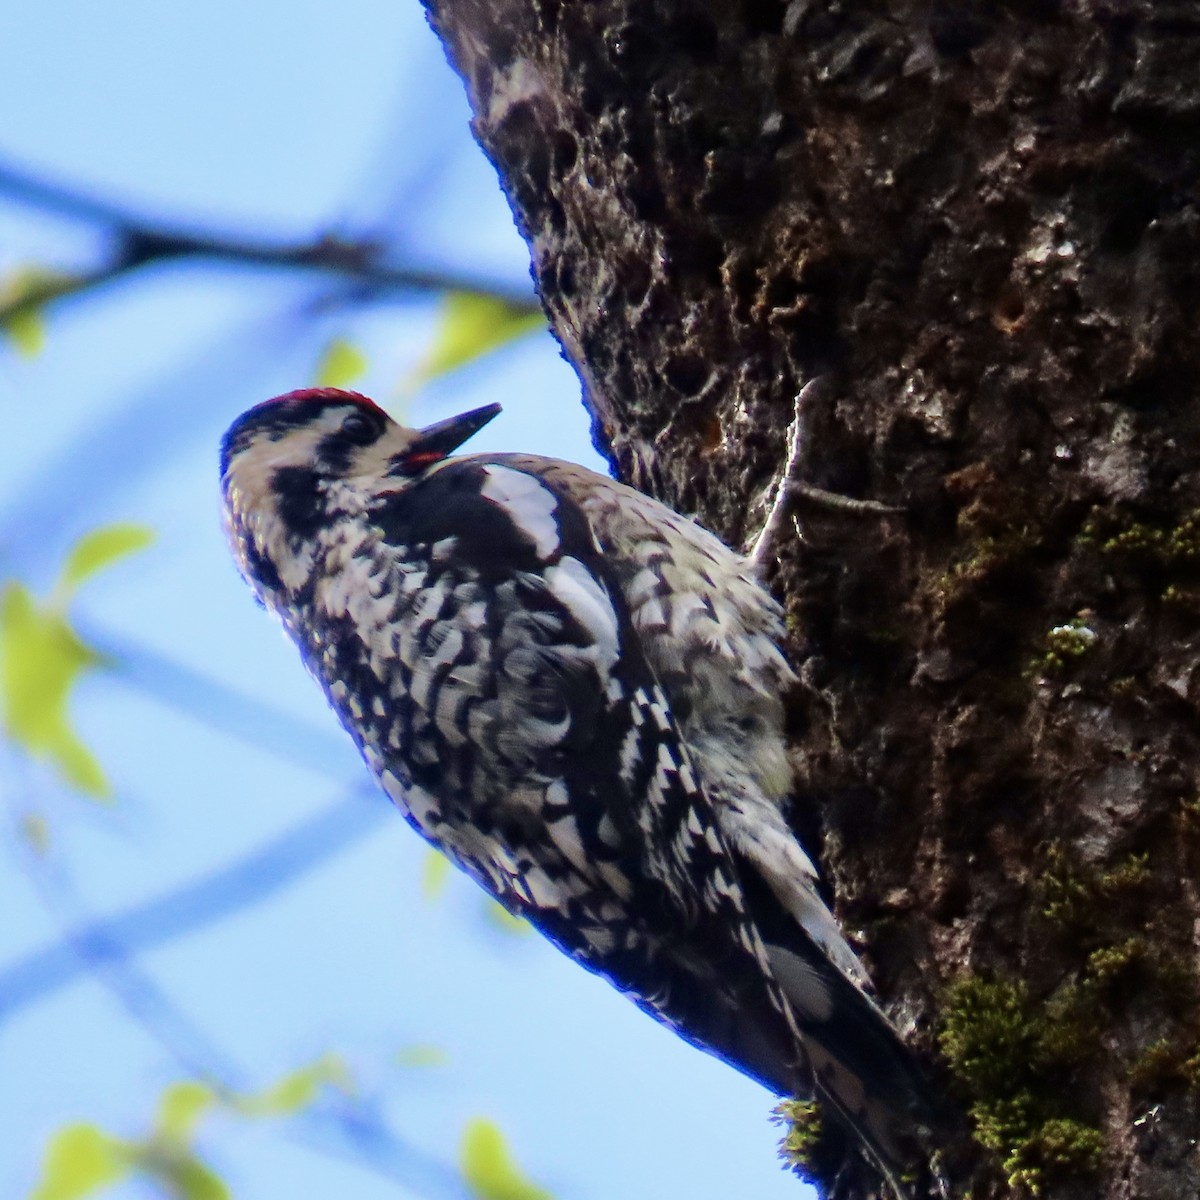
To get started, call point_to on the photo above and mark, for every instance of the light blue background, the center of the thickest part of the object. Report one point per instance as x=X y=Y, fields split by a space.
x=280 y=121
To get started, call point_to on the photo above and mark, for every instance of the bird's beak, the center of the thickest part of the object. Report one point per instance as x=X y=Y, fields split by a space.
x=435 y=441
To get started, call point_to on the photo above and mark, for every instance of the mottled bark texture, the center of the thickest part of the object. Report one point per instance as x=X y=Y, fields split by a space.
x=982 y=222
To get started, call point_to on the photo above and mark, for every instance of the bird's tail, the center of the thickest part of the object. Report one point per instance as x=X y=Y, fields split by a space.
x=885 y=1141
x=869 y=1082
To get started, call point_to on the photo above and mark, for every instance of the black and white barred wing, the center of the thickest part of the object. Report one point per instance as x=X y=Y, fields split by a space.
x=710 y=635
x=517 y=723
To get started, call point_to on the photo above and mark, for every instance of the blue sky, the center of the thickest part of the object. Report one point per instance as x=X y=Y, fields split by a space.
x=274 y=120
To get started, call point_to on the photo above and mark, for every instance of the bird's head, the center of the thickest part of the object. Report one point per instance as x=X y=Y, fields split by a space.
x=293 y=463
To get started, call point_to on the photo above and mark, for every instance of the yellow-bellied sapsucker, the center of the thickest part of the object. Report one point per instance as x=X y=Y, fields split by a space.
x=575 y=693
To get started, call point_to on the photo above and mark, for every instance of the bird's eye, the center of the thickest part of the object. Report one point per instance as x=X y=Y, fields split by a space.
x=358 y=427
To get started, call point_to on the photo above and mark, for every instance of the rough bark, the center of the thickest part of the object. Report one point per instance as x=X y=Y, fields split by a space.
x=981 y=221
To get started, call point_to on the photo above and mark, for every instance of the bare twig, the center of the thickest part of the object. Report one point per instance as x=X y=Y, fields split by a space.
x=791 y=487
x=138 y=242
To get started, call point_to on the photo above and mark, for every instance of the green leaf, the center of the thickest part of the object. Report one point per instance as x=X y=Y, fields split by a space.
x=41 y=659
x=80 y=1159
x=471 y=325
x=340 y=364
x=26 y=327
x=297 y=1089
x=420 y=1056
x=99 y=549
x=435 y=871
x=505 y=921
x=191 y=1179
x=181 y=1107
x=27 y=332
x=489 y=1168
x=79 y=768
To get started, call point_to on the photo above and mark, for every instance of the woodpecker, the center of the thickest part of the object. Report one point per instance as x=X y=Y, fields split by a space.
x=574 y=692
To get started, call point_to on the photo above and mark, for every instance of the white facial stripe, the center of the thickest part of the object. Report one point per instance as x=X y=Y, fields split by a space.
x=252 y=500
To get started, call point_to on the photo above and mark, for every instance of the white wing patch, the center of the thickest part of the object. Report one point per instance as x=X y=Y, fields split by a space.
x=574 y=586
x=527 y=501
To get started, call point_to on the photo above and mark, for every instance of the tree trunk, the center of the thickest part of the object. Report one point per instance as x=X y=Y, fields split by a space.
x=981 y=222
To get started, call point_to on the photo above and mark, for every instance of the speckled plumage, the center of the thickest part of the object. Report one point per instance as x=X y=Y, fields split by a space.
x=575 y=693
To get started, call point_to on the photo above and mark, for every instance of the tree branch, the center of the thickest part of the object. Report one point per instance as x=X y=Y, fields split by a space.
x=981 y=221
x=139 y=242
